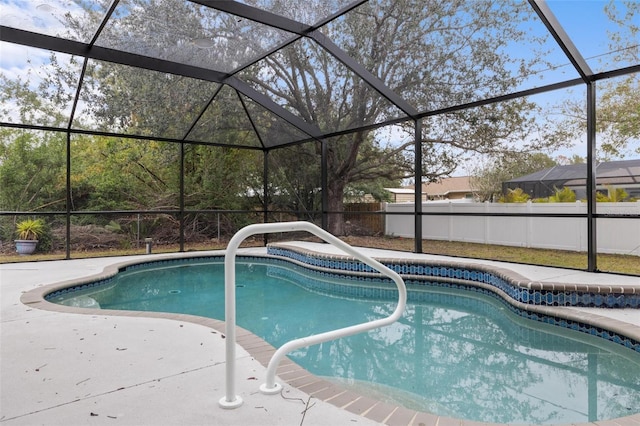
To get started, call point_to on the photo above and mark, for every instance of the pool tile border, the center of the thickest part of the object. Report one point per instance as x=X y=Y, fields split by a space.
x=513 y=285
x=296 y=376
x=541 y=304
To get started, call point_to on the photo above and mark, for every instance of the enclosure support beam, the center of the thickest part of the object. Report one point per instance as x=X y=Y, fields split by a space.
x=324 y=182
x=72 y=47
x=592 y=247
x=69 y=200
x=265 y=191
x=181 y=197
x=418 y=188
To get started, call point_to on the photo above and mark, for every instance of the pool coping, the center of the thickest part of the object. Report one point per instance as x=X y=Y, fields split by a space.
x=317 y=387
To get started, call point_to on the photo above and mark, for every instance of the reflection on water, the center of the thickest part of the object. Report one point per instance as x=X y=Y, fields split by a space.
x=457 y=354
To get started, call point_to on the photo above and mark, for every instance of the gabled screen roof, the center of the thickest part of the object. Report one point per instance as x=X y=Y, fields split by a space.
x=267 y=73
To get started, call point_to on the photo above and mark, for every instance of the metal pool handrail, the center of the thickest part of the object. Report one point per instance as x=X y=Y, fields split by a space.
x=231 y=400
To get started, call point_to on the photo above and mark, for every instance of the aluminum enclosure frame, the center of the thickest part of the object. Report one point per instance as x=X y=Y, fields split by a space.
x=300 y=30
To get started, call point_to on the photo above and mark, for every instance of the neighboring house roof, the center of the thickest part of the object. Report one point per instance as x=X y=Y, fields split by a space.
x=625 y=170
x=441 y=188
x=447 y=186
x=625 y=173
x=406 y=190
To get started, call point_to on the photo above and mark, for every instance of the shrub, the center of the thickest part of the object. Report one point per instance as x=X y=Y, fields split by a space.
x=614 y=195
x=514 y=196
x=30 y=229
x=564 y=195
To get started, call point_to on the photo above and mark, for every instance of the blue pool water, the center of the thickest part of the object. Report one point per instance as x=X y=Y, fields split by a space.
x=454 y=352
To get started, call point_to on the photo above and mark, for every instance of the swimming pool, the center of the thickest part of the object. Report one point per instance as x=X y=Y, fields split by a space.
x=455 y=353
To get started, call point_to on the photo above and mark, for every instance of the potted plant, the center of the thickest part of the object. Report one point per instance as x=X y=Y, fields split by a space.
x=29 y=231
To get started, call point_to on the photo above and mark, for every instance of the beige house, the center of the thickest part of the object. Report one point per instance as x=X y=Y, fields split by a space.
x=452 y=188
x=403 y=195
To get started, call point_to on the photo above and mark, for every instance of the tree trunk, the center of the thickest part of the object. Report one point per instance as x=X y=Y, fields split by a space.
x=342 y=158
x=335 y=222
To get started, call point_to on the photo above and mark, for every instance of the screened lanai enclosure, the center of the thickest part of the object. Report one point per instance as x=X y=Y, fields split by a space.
x=181 y=121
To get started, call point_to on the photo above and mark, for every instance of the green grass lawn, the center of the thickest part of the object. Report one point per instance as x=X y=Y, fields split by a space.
x=618 y=263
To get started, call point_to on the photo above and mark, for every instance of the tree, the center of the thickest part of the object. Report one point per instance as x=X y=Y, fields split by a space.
x=575 y=159
x=32 y=171
x=431 y=53
x=487 y=178
x=618 y=108
x=295 y=180
x=123 y=174
x=619 y=104
x=219 y=178
x=617 y=119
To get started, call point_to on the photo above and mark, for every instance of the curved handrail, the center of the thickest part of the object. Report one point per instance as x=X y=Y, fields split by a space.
x=231 y=400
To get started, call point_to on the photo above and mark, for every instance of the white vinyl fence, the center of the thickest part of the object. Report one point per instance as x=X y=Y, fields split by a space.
x=613 y=235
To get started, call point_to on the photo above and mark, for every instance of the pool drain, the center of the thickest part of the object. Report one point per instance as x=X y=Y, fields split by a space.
x=174 y=291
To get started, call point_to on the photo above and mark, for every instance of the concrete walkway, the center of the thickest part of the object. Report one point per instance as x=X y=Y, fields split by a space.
x=72 y=369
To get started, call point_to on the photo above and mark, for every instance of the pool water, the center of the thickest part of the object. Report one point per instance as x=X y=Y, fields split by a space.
x=454 y=352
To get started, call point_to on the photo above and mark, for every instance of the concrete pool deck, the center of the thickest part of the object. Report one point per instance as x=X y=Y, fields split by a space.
x=66 y=368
